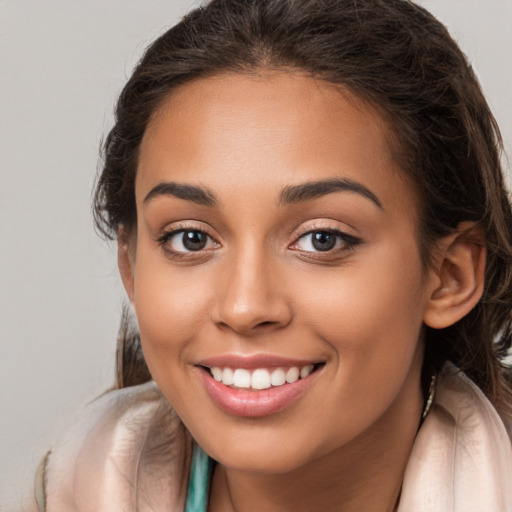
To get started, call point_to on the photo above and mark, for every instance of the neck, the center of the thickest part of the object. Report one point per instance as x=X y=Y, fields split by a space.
x=365 y=475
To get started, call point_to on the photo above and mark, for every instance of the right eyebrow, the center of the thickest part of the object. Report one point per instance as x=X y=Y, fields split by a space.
x=198 y=195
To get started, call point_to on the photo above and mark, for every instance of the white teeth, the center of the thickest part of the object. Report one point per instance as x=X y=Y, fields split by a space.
x=304 y=372
x=261 y=378
x=241 y=378
x=278 y=377
x=227 y=376
x=217 y=374
x=292 y=375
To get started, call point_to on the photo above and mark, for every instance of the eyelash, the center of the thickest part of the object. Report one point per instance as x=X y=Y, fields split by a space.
x=349 y=242
x=167 y=236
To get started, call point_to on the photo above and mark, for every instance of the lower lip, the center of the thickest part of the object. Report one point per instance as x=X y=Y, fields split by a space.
x=253 y=403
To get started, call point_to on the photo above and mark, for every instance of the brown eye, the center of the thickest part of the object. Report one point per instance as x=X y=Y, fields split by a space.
x=187 y=240
x=320 y=241
x=323 y=240
x=194 y=240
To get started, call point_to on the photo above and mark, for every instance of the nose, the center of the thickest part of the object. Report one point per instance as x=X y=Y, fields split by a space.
x=251 y=299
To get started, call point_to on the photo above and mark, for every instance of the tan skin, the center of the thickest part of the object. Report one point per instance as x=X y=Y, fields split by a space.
x=260 y=285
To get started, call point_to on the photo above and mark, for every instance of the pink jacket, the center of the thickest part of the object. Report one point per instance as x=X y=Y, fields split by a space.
x=129 y=452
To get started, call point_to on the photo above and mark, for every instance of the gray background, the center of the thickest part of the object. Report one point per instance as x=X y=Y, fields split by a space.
x=62 y=63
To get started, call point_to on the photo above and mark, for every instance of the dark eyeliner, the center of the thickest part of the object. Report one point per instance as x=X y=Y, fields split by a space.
x=349 y=243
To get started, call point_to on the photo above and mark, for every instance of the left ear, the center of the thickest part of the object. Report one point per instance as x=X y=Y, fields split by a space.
x=458 y=277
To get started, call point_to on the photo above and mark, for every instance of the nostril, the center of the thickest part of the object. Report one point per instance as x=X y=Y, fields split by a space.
x=251 y=314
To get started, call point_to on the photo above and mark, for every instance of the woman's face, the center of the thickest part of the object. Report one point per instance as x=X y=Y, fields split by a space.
x=276 y=249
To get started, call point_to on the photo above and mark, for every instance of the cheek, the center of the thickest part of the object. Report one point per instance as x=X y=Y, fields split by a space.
x=171 y=308
x=371 y=311
x=370 y=316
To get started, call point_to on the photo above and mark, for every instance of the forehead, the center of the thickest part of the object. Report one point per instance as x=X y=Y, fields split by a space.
x=279 y=128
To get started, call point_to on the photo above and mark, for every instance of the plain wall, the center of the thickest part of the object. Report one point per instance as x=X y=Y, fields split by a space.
x=62 y=64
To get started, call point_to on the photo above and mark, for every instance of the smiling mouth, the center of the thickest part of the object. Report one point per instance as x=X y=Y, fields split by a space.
x=258 y=386
x=261 y=378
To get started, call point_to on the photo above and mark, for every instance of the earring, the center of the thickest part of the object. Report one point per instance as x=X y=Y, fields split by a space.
x=430 y=398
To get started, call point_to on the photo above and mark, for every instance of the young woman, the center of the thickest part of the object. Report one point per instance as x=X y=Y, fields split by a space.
x=316 y=241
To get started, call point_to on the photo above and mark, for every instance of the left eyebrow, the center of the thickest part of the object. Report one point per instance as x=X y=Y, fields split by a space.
x=292 y=194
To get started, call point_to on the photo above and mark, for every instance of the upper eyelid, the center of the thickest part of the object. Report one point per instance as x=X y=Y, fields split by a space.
x=335 y=232
x=349 y=244
x=295 y=233
x=323 y=225
x=166 y=237
x=167 y=233
x=179 y=227
x=338 y=229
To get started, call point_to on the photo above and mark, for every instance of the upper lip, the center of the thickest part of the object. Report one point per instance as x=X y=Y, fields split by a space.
x=254 y=361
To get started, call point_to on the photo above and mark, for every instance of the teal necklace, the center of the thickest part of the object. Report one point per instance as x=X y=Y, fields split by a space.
x=199 y=483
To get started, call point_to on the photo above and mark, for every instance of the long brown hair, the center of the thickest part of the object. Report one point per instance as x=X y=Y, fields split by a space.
x=394 y=55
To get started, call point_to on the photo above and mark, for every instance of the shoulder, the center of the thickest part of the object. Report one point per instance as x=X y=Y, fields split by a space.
x=127 y=450
x=462 y=456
